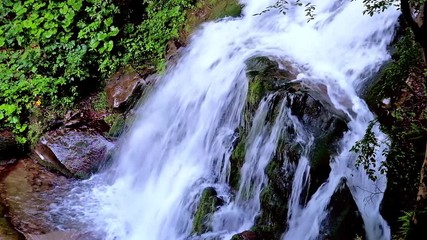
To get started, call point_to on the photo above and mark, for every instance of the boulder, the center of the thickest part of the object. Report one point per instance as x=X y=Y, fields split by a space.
x=246 y=235
x=124 y=87
x=73 y=152
x=310 y=105
x=63 y=235
x=27 y=192
x=209 y=202
x=9 y=148
x=344 y=220
x=7 y=231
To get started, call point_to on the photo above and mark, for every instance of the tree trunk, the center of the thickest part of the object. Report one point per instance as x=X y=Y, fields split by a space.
x=422 y=189
x=418 y=26
x=419 y=220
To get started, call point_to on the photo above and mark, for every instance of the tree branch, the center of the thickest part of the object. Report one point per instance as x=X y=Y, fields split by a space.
x=407 y=15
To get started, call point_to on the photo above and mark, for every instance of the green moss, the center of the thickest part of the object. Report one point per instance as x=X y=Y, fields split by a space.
x=42 y=120
x=272 y=220
x=226 y=9
x=237 y=237
x=321 y=153
x=209 y=202
x=55 y=167
x=117 y=124
x=237 y=161
x=208 y=10
x=100 y=101
x=256 y=91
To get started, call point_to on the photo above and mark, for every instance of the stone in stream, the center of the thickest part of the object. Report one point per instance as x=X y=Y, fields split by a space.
x=209 y=203
x=29 y=197
x=7 y=231
x=59 y=235
x=73 y=152
x=26 y=191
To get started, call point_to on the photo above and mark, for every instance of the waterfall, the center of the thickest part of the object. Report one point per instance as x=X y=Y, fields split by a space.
x=183 y=135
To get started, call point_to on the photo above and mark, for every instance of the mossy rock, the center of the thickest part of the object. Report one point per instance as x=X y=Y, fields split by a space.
x=271 y=222
x=237 y=160
x=117 y=123
x=344 y=220
x=209 y=10
x=209 y=203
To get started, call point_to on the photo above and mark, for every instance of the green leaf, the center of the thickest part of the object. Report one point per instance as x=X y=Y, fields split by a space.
x=113 y=31
x=75 y=4
x=64 y=10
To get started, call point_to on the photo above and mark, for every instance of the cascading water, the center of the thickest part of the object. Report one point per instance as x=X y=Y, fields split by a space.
x=182 y=139
x=261 y=144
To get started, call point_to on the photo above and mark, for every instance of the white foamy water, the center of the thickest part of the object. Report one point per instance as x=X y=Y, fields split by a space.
x=182 y=138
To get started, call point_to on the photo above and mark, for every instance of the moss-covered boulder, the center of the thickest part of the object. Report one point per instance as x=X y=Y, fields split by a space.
x=209 y=10
x=324 y=123
x=209 y=203
x=265 y=76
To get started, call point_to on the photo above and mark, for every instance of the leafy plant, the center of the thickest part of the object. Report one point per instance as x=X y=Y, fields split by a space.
x=52 y=51
x=367 y=148
x=406 y=223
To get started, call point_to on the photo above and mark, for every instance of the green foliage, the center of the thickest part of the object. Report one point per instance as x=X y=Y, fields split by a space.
x=406 y=223
x=147 y=41
x=283 y=7
x=408 y=53
x=100 y=101
x=367 y=148
x=52 y=51
x=401 y=123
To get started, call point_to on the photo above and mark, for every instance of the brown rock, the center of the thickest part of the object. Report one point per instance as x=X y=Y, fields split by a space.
x=63 y=235
x=249 y=235
x=123 y=86
x=27 y=191
x=73 y=152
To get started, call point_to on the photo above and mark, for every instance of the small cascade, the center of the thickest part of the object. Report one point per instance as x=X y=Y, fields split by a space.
x=261 y=143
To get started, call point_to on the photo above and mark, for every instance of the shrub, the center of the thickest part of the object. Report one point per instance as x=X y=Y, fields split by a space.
x=49 y=50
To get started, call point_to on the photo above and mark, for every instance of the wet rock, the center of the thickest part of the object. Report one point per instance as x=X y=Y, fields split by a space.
x=265 y=76
x=310 y=105
x=117 y=123
x=73 y=152
x=9 y=148
x=123 y=87
x=85 y=119
x=7 y=231
x=326 y=127
x=56 y=235
x=27 y=190
x=246 y=235
x=344 y=220
x=209 y=202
